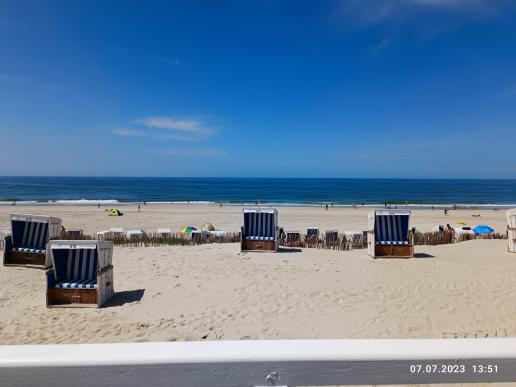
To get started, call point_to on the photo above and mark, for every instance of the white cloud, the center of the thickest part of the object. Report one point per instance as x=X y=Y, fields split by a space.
x=167 y=129
x=129 y=132
x=375 y=11
x=184 y=125
x=192 y=152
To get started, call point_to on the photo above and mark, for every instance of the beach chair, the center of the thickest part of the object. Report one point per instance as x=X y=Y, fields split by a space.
x=331 y=237
x=117 y=232
x=198 y=235
x=260 y=231
x=511 y=230
x=81 y=273
x=293 y=238
x=312 y=232
x=164 y=232
x=461 y=234
x=26 y=246
x=104 y=235
x=74 y=233
x=389 y=234
x=355 y=239
x=135 y=234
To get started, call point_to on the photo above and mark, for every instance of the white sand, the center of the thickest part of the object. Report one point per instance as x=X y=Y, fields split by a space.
x=215 y=292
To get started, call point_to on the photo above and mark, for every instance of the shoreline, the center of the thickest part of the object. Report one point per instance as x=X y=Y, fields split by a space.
x=113 y=202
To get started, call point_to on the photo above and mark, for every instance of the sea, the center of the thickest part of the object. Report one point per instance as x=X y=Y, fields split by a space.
x=277 y=191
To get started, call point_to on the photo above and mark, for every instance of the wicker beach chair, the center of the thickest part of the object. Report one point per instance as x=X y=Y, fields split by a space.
x=81 y=273
x=260 y=231
x=293 y=238
x=389 y=234
x=26 y=246
x=312 y=232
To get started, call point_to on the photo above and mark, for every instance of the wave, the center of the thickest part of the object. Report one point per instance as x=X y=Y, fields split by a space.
x=85 y=201
x=262 y=204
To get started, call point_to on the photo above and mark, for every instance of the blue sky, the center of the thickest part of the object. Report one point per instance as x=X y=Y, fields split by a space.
x=350 y=88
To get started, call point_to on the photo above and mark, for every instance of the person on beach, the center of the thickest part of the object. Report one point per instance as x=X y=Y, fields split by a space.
x=445 y=212
x=326 y=207
x=139 y=208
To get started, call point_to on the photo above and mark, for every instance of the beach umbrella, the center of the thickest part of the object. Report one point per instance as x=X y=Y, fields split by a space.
x=208 y=227
x=188 y=229
x=482 y=229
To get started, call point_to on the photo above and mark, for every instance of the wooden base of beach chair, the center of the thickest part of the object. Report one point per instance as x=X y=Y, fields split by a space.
x=258 y=246
x=33 y=260
x=72 y=297
x=390 y=251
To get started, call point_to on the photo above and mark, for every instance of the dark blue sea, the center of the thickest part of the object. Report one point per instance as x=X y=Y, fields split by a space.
x=265 y=190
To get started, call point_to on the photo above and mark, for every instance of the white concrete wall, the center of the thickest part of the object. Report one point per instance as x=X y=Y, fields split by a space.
x=256 y=363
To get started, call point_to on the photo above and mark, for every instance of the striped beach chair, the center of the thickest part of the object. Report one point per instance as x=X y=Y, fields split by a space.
x=389 y=234
x=312 y=232
x=260 y=230
x=26 y=246
x=511 y=230
x=81 y=273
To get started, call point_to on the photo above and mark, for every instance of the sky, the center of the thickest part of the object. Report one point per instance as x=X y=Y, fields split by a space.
x=344 y=88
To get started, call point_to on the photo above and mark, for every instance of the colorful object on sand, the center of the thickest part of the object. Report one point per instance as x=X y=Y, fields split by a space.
x=188 y=229
x=114 y=212
x=461 y=222
x=482 y=229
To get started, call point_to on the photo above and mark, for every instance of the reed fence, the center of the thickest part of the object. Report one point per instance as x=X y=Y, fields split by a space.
x=341 y=242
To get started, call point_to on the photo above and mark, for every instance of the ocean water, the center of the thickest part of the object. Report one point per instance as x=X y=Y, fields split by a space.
x=265 y=190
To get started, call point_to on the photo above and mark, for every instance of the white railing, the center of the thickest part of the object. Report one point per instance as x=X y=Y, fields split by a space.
x=260 y=363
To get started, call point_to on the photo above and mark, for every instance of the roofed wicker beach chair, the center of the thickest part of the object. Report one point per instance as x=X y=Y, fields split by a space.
x=312 y=232
x=511 y=230
x=389 y=234
x=81 y=273
x=293 y=239
x=164 y=233
x=26 y=246
x=260 y=231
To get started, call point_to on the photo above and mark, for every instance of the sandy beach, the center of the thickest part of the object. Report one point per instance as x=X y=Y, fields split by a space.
x=214 y=292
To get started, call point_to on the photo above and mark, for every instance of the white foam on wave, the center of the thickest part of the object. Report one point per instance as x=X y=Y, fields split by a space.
x=193 y=202
x=85 y=201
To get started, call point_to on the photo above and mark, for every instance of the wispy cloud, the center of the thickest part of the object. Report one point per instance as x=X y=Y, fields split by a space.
x=380 y=46
x=167 y=129
x=129 y=132
x=184 y=125
x=173 y=61
x=192 y=152
x=29 y=82
x=510 y=92
x=374 y=11
x=138 y=133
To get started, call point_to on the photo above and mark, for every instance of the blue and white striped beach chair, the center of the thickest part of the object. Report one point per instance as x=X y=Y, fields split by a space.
x=389 y=234
x=81 y=273
x=260 y=230
x=26 y=246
